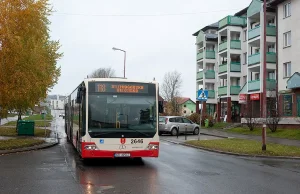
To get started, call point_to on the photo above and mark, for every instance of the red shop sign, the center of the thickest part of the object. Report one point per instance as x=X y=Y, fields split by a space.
x=242 y=97
x=254 y=96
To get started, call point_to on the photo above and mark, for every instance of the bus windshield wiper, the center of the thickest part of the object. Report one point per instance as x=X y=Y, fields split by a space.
x=101 y=133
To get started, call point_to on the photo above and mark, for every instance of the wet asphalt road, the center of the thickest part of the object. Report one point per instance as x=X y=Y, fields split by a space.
x=178 y=170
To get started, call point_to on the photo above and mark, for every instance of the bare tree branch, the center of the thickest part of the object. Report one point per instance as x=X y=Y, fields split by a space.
x=273 y=111
x=171 y=89
x=103 y=73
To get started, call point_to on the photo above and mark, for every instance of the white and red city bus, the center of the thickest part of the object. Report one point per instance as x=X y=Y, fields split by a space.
x=113 y=117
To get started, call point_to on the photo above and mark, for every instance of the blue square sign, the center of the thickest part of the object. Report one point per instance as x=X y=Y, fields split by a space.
x=202 y=95
x=101 y=141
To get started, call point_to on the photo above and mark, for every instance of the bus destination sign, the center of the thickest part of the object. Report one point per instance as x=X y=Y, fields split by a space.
x=122 y=88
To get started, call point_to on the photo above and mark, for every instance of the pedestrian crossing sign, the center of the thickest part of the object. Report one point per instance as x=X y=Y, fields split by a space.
x=202 y=95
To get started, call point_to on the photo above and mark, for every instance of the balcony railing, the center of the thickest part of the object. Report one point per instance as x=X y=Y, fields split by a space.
x=271 y=30
x=235 y=67
x=199 y=56
x=210 y=74
x=254 y=85
x=210 y=55
x=235 y=90
x=254 y=59
x=200 y=75
x=200 y=37
x=232 y=21
x=222 y=90
x=254 y=32
x=211 y=94
x=235 y=44
x=222 y=46
x=271 y=84
x=223 y=68
x=271 y=57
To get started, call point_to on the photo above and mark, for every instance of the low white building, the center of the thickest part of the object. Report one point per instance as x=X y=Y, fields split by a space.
x=56 y=101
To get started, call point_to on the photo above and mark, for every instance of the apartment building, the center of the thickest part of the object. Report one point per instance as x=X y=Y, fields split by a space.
x=206 y=49
x=239 y=55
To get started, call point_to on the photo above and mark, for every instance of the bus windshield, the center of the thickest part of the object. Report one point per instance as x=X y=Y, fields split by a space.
x=121 y=115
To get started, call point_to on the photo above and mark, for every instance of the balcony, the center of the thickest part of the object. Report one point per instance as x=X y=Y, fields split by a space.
x=200 y=37
x=210 y=55
x=222 y=90
x=223 y=68
x=271 y=57
x=254 y=85
x=235 y=44
x=271 y=30
x=255 y=32
x=199 y=56
x=271 y=84
x=222 y=46
x=235 y=67
x=235 y=90
x=254 y=59
x=200 y=75
x=232 y=21
x=210 y=74
x=211 y=94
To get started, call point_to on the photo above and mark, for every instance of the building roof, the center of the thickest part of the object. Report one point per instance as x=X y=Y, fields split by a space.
x=211 y=26
x=182 y=100
x=242 y=12
x=275 y=2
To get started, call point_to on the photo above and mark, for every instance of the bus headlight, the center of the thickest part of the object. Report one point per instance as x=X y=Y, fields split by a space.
x=90 y=147
x=152 y=146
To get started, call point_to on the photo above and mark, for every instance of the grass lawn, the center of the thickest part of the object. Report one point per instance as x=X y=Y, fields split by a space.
x=36 y=123
x=280 y=133
x=250 y=147
x=8 y=131
x=38 y=117
x=18 y=143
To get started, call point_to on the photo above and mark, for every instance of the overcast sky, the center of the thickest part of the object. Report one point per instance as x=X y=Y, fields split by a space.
x=156 y=34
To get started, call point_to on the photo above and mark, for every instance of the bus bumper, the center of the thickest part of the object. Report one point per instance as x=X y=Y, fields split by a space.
x=111 y=154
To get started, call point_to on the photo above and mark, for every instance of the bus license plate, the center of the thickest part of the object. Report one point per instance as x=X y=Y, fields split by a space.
x=121 y=155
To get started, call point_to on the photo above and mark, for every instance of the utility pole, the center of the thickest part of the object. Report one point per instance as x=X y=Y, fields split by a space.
x=264 y=96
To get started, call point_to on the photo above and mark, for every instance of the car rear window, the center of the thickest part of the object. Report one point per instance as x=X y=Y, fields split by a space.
x=162 y=119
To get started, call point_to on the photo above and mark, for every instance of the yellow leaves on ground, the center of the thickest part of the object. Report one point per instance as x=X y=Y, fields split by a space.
x=27 y=55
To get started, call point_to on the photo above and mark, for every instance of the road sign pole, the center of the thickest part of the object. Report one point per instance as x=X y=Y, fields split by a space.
x=200 y=119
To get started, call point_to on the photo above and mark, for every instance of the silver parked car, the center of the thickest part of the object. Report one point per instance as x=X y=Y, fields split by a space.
x=175 y=124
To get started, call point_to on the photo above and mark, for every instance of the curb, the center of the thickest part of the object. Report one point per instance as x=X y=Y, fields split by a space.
x=209 y=134
x=240 y=155
x=37 y=147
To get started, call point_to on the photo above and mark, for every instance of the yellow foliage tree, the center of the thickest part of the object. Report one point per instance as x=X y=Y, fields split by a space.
x=28 y=57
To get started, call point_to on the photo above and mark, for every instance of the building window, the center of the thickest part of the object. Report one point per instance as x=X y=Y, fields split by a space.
x=287 y=69
x=287 y=39
x=245 y=35
x=287 y=105
x=245 y=58
x=271 y=48
x=287 y=10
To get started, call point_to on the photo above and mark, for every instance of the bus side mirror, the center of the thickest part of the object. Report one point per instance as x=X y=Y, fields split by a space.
x=160 y=106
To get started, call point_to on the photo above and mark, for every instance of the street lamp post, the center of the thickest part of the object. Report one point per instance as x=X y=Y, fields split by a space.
x=117 y=49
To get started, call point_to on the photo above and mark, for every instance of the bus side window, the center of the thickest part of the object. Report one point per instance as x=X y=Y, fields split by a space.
x=83 y=111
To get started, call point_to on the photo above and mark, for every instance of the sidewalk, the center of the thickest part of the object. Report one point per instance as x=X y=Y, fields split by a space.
x=189 y=137
x=251 y=137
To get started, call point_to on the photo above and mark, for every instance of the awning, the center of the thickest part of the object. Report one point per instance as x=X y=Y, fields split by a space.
x=294 y=81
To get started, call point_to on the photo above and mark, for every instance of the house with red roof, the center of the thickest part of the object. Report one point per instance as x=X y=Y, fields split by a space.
x=186 y=106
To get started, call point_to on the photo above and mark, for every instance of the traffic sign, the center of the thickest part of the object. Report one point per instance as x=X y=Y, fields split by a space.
x=202 y=95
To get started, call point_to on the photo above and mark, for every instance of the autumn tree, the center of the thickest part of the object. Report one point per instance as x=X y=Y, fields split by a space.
x=170 y=89
x=103 y=73
x=28 y=57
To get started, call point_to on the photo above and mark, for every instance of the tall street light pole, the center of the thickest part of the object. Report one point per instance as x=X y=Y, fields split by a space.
x=264 y=100
x=117 y=49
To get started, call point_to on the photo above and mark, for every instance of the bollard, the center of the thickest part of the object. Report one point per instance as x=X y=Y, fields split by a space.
x=177 y=133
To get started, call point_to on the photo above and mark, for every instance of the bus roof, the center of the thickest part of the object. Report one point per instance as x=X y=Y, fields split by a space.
x=117 y=79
